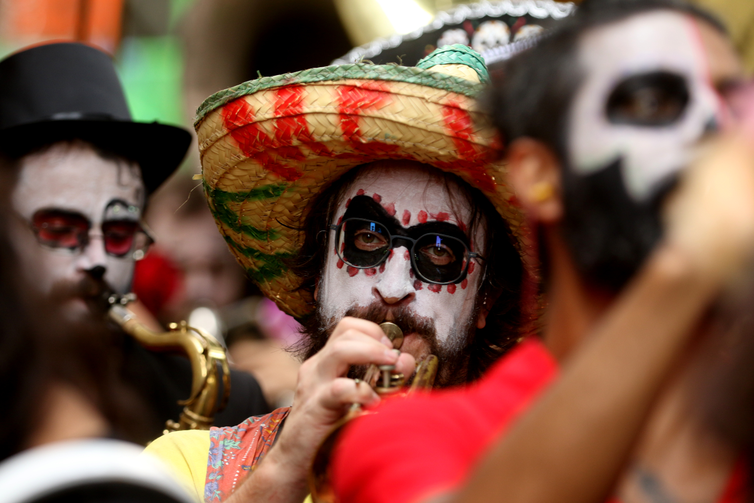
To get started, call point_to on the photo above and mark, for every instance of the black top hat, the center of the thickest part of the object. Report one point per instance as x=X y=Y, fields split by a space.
x=64 y=91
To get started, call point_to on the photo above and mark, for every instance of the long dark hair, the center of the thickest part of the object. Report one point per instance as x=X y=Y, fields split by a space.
x=502 y=283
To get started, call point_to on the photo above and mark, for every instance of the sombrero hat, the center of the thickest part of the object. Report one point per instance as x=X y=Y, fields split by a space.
x=269 y=146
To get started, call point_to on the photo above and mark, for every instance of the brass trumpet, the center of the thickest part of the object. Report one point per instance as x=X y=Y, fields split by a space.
x=385 y=382
x=209 y=364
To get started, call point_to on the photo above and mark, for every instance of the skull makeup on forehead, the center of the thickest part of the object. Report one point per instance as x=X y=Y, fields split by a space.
x=644 y=102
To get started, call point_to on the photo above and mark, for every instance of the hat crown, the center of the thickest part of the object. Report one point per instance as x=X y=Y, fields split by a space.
x=60 y=81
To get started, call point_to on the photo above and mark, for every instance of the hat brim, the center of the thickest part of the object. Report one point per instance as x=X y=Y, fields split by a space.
x=158 y=148
x=270 y=146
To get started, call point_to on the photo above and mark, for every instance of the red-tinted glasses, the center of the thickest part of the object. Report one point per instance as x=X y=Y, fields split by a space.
x=71 y=231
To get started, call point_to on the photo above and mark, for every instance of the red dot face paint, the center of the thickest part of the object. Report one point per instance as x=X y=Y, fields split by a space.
x=422 y=217
x=360 y=192
x=435 y=288
x=390 y=208
x=340 y=219
x=451 y=289
x=406 y=255
x=382 y=267
x=377 y=198
x=471 y=267
x=406 y=218
x=340 y=264
x=410 y=273
x=464 y=283
x=370 y=272
x=441 y=216
x=348 y=202
x=417 y=285
x=352 y=271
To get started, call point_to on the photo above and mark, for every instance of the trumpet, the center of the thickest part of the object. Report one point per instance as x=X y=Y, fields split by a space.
x=209 y=363
x=386 y=382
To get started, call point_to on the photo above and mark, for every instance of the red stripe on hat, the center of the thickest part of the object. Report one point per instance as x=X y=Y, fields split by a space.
x=353 y=101
x=459 y=122
x=292 y=125
x=238 y=119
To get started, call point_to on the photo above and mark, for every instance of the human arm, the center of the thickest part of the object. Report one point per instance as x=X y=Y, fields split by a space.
x=608 y=386
x=323 y=395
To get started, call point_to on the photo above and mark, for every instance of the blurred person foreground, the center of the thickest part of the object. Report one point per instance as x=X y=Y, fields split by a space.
x=639 y=185
x=85 y=171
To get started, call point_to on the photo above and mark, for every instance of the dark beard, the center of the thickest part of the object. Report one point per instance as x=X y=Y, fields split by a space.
x=453 y=361
x=608 y=233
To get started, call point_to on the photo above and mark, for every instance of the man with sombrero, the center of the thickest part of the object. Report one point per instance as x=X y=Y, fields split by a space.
x=84 y=172
x=354 y=195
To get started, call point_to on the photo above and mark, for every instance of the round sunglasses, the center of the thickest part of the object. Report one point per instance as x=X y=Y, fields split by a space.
x=435 y=258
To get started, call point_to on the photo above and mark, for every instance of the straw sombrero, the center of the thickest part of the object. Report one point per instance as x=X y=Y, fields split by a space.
x=271 y=145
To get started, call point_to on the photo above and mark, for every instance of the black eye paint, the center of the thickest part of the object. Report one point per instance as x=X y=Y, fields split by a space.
x=654 y=99
x=367 y=208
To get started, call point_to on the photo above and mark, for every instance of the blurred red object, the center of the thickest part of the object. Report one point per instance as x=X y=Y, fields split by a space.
x=96 y=22
x=156 y=280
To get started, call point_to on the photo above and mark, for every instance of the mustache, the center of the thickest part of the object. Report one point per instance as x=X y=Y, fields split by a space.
x=94 y=291
x=406 y=319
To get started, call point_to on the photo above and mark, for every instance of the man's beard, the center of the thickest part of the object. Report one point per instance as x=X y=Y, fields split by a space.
x=608 y=233
x=452 y=355
x=92 y=291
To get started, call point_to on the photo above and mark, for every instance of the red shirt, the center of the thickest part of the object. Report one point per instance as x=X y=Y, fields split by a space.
x=426 y=445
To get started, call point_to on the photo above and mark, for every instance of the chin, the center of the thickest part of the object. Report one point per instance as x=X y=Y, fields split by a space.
x=76 y=310
x=415 y=346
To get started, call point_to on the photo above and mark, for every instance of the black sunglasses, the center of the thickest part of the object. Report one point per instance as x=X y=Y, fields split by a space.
x=435 y=258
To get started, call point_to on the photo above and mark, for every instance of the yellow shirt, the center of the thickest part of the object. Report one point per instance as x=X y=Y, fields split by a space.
x=186 y=454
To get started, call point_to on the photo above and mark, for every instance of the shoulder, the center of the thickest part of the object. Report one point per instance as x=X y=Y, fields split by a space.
x=186 y=454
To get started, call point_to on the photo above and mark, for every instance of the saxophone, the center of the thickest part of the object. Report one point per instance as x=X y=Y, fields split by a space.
x=386 y=383
x=209 y=363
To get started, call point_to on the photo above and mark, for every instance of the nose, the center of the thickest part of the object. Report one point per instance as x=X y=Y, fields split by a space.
x=93 y=258
x=395 y=284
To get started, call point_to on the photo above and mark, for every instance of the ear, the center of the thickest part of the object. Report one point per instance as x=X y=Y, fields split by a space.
x=484 y=311
x=534 y=174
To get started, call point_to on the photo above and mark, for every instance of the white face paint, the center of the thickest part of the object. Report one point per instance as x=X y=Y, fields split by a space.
x=74 y=180
x=413 y=196
x=660 y=42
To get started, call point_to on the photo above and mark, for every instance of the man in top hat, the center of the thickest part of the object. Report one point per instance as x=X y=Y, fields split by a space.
x=84 y=173
x=355 y=195
x=600 y=407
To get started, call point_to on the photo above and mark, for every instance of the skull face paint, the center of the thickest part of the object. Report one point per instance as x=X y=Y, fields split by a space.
x=646 y=98
x=72 y=183
x=406 y=199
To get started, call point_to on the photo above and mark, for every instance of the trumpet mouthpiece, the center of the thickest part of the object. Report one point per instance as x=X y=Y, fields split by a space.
x=393 y=332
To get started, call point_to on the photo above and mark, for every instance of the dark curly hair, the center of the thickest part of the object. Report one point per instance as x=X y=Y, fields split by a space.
x=502 y=282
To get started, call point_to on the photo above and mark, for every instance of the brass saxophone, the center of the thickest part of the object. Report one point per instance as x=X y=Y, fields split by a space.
x=385 y=382
x=209 y=363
